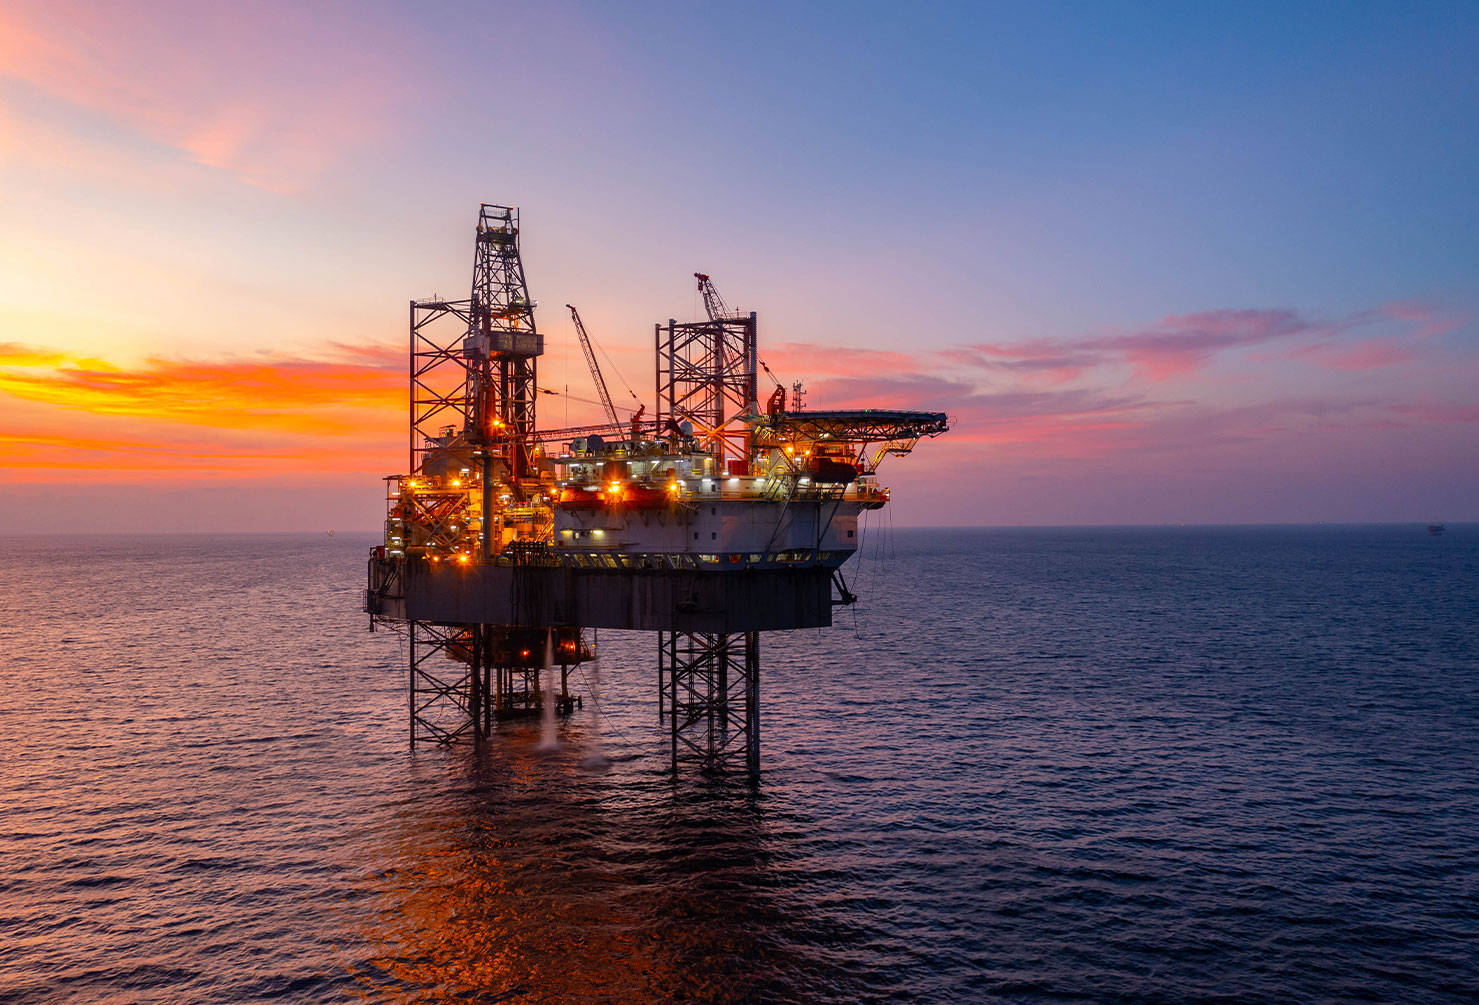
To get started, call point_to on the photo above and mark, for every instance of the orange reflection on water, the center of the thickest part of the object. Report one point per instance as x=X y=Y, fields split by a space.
x=537 y=882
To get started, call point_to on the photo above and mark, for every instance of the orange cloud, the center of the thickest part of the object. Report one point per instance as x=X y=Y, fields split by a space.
x=265 y=392
x=46 y=455
x=15 y=354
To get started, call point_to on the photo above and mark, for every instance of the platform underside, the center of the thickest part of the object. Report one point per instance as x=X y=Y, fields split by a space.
x=745 y=600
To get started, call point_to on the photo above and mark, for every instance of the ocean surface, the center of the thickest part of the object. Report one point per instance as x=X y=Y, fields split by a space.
x=1086 y=765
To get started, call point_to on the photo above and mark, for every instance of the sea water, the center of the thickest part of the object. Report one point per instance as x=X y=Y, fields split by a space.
x=1150 y=765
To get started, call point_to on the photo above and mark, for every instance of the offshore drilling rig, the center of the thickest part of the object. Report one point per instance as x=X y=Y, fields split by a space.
x=717 y=519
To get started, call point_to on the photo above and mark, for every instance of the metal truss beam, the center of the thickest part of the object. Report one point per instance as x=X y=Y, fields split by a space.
x=463 y=677
x=706 y=374
x=445 y=692
x=713 y=700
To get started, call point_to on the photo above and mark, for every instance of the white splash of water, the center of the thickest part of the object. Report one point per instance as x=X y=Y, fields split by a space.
x=595 y=686
x=595 y=757
x=548 y=739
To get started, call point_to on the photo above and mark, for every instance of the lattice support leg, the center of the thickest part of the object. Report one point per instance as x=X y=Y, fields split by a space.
x=714 y=701
x=444 y=688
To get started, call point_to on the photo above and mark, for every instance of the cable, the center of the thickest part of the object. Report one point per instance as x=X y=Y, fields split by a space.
x=621 y=736
x=610 y=362
x=576 y=397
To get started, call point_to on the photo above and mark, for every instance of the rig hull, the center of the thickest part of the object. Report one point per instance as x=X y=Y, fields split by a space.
x=741 y=600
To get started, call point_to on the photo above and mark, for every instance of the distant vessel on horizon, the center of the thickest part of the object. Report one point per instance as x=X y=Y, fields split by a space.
x=1436 y=528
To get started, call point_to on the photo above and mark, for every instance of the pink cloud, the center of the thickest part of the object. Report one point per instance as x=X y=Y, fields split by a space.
x=1037 y=362
x=1181 y=343
x=1429 y=411
x=276 y=99
x=1075 y=422
x=1429 y=320
x=1372 y=354
x=882 y=390
x=1177 y=344
x=802 y=358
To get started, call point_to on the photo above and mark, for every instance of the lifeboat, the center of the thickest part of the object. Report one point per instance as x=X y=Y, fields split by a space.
x=581 y=497
x=644 y=497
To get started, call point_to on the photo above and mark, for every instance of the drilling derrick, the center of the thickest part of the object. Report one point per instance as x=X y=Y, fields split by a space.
x=477 y=491
x=714 y=522
x=502 y=349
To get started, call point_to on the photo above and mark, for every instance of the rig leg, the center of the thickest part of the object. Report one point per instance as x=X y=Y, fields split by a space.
x=489 y=671
x=443 y=690
x=714 y=701
x=662 y=673
x=411 y=683
x=752 y=703
x=475 y=682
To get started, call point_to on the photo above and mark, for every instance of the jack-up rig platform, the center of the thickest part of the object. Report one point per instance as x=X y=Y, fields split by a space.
x=719 y=518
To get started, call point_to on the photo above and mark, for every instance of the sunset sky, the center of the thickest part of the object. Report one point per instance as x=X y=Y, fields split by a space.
x=1159 y=263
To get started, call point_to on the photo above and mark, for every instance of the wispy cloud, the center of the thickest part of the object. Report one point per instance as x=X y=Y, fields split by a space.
x=1370 y=354
x=276 y=99
x=1437 y=411
x=1430 y=320
x=1182 y=344
x=801 y=358
x=1177 y=344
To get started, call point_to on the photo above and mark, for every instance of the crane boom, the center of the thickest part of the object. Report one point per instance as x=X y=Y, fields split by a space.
x=590 y=359
x=714 y=304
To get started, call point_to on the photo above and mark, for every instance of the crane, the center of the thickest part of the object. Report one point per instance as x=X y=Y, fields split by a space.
x=713 y=303
x=590 y=358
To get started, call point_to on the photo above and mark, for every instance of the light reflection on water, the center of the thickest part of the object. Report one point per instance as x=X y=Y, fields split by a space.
x=532 y=875
x=1155 y=765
